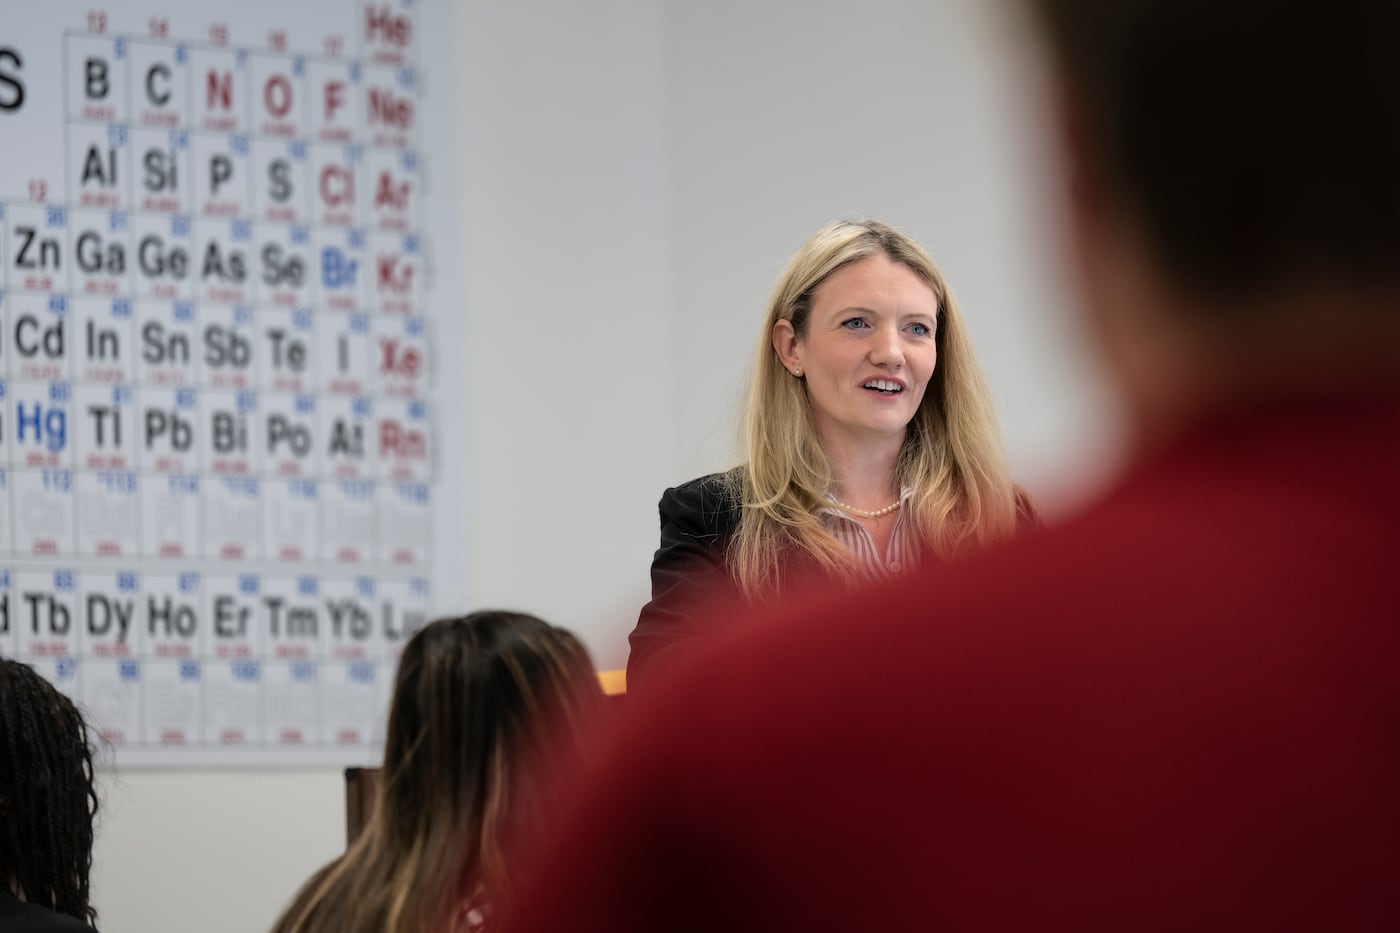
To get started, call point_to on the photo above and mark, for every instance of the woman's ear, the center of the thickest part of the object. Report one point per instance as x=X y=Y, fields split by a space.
x=785 y=344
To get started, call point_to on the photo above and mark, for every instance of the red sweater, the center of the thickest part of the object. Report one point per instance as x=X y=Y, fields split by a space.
x=1179 y=712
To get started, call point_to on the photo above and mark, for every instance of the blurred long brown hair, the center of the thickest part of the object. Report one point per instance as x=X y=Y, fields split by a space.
x=490 y=712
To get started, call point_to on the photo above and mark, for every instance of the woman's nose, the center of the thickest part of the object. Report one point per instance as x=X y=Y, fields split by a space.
x=886 y=350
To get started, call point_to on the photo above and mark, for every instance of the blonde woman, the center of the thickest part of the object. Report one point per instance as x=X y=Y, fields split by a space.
x=490 y=713
x=871 y=440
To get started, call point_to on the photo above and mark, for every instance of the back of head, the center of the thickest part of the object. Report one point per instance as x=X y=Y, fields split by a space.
x=1256 y=141
x=473 y=698
x=489 y=711
x=47 y=799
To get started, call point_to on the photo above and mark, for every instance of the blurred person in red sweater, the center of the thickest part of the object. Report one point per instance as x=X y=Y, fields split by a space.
x=1177 y=711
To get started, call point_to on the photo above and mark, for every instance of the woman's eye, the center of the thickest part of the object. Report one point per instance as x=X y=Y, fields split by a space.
x=920 y=330
x=854 y=323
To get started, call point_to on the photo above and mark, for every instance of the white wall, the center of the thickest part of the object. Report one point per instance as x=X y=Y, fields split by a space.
x=633 y=176
x=570 y=391
x=210 y=851
x=787 y=115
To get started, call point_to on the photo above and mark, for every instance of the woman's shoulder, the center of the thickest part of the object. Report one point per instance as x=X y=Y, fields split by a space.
x=710 y=488
x=1027 y=515
x=713 y=500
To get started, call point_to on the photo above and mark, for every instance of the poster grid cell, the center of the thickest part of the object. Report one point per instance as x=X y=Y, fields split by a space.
x=216 y=433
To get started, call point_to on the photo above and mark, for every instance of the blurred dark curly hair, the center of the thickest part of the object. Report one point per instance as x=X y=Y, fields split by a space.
x=47 y=795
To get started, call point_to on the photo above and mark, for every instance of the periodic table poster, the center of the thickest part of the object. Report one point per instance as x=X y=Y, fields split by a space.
x=218 y=407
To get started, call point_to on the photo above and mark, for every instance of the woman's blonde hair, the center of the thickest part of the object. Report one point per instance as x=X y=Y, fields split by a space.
x=952 y=457
x=488 y=709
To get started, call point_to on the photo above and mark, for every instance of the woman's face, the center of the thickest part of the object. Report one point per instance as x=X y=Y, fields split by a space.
x=868 y=353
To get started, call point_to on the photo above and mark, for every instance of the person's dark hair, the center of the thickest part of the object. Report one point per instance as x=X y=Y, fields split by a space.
x=1258 y=139
x=47 y=795
x=488 y=711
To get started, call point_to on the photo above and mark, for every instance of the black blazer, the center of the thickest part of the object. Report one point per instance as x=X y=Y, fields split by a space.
x=689 y=576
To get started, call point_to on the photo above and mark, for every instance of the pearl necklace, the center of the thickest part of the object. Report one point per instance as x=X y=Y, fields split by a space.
x=865 y=513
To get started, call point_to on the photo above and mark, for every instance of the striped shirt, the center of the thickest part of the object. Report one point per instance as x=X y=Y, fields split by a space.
x=874 y=567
